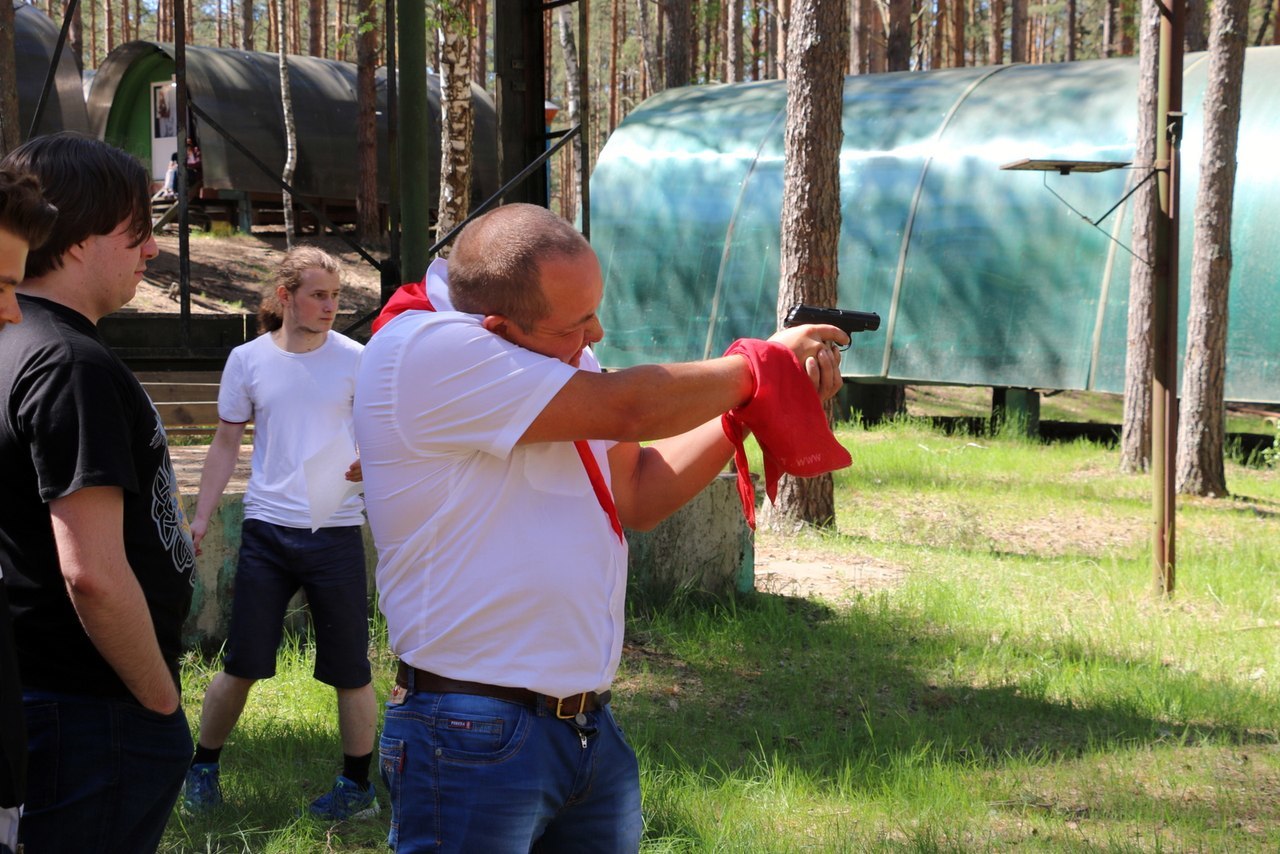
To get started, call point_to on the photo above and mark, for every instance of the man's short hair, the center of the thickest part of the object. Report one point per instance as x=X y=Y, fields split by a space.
x=24 y=212
x=95 y=187
x=493 y=268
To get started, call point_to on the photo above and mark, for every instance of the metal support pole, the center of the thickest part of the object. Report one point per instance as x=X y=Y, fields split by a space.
x=184 y=184
x=413 y=113
x=391 y=278
x=1164 y=379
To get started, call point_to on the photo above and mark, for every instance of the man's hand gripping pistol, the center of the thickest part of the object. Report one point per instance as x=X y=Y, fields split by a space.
x=847 y=320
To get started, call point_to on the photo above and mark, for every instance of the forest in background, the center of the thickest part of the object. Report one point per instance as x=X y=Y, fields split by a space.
x=639 y=47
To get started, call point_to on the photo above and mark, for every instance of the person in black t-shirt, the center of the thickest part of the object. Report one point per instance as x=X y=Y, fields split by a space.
x=97 y=554
x=25 y=221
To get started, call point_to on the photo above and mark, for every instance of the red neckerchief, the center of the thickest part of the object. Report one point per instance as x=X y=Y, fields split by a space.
x=413 y=297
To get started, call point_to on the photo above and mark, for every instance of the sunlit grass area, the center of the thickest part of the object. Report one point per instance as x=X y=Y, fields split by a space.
x=1015 y=684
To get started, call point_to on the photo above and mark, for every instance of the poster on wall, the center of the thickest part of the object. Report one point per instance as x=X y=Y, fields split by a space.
x=164 y=127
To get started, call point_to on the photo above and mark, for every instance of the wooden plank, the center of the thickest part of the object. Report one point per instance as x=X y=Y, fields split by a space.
x=185 y=414
x=145 y=377
x=180 y=392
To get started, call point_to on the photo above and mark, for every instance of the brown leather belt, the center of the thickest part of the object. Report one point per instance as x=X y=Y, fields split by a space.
x=561 y=707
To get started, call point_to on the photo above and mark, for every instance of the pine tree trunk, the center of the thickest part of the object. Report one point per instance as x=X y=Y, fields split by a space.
x=368 y=219
x=286 y=107
x=315 y=28
x=1194 y=35
x=996 y=44
x=679 y=28
x=957 y=32
x=11 y=133
x=733 y=41
x=1072 y=27
x=569 y=48
x=246 y=24
x=648 y=52
x=811 y=206
x=479 y=53
x=784 y=25
x=1017 y=30
x=613 y=63
x=456 y=117
x=898 y=48
x=1135 y=434
x=1202 y=426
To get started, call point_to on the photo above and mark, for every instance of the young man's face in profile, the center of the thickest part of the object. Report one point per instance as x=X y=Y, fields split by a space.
x=13 y=259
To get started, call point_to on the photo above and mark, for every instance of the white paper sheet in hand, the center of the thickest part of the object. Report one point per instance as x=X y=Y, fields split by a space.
x=327 y=486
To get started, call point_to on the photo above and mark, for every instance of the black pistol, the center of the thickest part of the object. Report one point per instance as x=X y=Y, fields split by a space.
x=847 y=320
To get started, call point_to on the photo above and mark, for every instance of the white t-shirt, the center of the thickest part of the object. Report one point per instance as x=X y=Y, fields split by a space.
x=297 y=402
x=496 y=563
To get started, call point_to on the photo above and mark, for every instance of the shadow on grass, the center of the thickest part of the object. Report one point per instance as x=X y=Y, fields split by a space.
x=862 y=699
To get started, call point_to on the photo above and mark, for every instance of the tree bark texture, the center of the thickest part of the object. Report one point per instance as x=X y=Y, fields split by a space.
x=648 y=51
x=11 y=133
x=812 y=138
x=315 y=28
x=995 y=53
x=246 y=24
x=1018 y=30
x=1194 y=37
x=368 y=221
x=1202 y=428
x=571 y=78
x=290 y=132
x=733 y=41
x=898 y=46
x=1135 y=432
x=677 y=56
x=456 y=120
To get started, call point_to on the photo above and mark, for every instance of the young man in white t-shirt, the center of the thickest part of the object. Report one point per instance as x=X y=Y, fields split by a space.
x=295 y=382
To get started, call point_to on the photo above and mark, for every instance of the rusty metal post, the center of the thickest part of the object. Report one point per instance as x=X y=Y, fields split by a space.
x=1164 y=385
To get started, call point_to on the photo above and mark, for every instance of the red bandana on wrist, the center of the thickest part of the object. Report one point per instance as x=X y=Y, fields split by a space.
x=788 y=421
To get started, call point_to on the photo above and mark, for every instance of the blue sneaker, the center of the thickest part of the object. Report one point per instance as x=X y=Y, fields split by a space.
x=202 y=791
x=346 y=800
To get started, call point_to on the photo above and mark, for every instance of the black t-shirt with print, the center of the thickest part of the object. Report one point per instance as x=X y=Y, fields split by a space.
x=74 y=417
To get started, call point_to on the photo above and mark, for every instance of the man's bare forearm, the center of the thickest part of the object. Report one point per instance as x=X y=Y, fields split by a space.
x=88 y=531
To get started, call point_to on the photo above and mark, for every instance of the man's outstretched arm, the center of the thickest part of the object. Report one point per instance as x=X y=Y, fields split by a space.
x=651 y=482
x=652 y=402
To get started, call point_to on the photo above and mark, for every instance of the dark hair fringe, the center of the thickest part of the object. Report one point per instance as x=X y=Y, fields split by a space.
x=95 y=187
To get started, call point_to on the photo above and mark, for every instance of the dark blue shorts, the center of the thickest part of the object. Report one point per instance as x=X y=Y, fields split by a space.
x=328 y=565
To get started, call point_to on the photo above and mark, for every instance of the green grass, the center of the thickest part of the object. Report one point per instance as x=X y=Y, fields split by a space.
x=1017 y=685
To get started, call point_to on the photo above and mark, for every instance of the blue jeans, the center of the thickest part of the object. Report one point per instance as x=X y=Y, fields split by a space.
x=471 y=773
x=103 y=775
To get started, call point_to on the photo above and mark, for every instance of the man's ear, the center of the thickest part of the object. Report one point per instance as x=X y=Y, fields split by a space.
x=282 y=294
x=498 y=324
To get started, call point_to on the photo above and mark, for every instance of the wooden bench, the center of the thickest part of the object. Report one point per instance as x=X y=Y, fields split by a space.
x=186 y=400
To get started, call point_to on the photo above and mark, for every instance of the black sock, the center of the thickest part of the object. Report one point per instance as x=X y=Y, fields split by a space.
x=206 y=755
x=356 y=768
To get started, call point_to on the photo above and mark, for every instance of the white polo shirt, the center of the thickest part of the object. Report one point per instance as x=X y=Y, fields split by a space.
x=496 y=563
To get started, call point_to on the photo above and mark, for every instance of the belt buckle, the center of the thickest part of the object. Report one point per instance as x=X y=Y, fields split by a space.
x=582 y=706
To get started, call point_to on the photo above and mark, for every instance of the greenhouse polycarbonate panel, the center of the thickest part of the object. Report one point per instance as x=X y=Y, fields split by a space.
x=982 y=276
